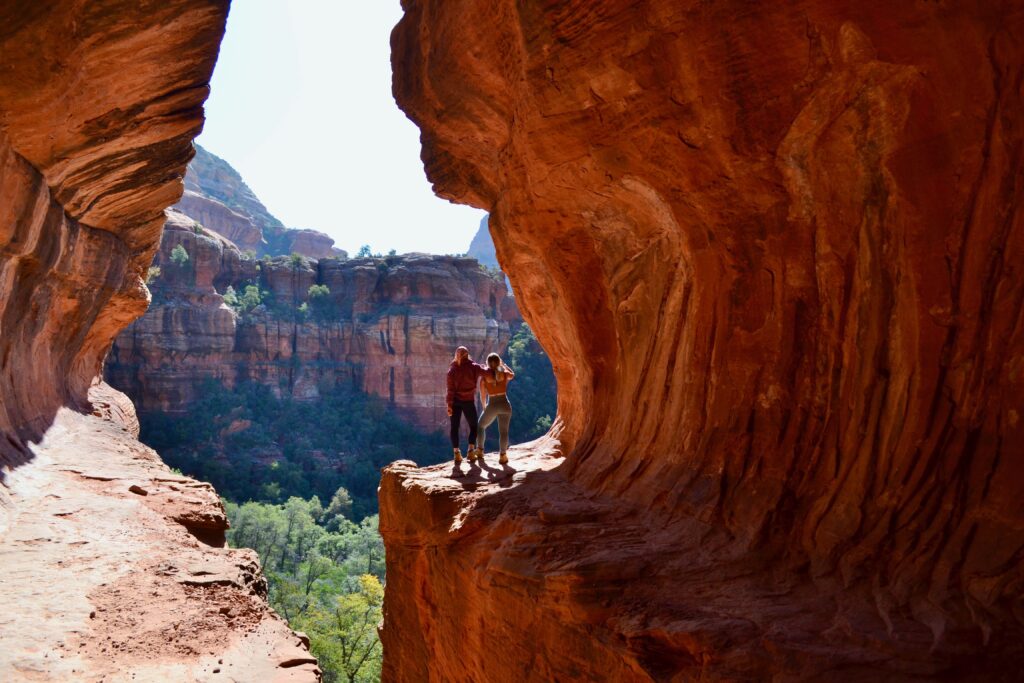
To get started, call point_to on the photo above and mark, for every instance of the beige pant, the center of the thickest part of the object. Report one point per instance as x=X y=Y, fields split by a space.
x=498 y=408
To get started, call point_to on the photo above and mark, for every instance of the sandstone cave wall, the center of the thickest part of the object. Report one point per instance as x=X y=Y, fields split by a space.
x=92 y=152
x=113 y=567
x=771 y=249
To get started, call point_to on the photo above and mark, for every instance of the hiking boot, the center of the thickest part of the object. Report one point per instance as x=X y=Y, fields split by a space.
x=458 y=457
x=471 y=454
x=480 y=454
x=503 y=460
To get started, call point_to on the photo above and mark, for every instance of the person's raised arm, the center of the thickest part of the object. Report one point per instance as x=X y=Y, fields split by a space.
x=508 y=372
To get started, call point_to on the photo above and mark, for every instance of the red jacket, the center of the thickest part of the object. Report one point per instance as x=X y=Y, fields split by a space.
x=462 y=380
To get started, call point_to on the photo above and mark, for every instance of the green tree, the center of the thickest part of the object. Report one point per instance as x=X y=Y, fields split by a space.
x=179 y=256
x=345 y=637
x=339 y=509
x=320 y=303
x=152 y=274
x=258 y=526
x=373 y=545
x=533 y=393
x=542 y=425
x=364 y=252
x=250 y=299
x=327 y=584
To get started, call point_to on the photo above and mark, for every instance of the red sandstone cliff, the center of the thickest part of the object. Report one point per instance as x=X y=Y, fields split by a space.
x=790 y=393
x=110 y=566
x=389 y=325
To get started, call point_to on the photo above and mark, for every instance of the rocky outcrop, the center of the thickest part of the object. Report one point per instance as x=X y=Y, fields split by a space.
x=217 y=198
x=149 y=594
x=310 y=243
x=211 y=177
x=86 y=178
x=482 y=246
x=769 y=248
x=99 y=103
x=387 y=325
x=217 y=217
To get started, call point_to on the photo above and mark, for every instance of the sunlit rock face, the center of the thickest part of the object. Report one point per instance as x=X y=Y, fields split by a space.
x=770 y=249
x=110 y=566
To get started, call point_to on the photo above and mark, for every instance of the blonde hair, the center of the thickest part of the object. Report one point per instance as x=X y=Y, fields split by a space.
x=498 y=373
x=461 y=348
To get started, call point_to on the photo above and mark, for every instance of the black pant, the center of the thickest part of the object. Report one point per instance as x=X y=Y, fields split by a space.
x=460 y=408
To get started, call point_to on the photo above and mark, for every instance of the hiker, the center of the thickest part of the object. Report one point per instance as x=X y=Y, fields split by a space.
x=496 y=379
x=463 y=377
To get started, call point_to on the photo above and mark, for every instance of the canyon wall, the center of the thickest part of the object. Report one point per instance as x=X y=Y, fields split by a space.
x=112 y=567
x=387 y=325
x=771 y=250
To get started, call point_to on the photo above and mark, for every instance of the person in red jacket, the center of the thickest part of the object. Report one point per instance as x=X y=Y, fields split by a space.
x=463 y=377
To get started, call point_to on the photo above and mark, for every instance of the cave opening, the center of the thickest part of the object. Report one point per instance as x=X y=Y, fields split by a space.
x=215 y=387
x=288 y=366
x=768 y=251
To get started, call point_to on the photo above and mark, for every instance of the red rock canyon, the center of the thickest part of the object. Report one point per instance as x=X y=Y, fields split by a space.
x=772 y=250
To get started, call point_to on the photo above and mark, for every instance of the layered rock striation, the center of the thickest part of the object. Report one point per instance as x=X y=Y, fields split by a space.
x=386 y=325
x=99 y=103
x=218 y=198
x=790 y=390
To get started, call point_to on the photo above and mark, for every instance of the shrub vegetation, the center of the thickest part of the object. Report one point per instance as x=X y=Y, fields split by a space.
x=252 y=445
x=179 y=256
x=533 y=393
x=325 y=575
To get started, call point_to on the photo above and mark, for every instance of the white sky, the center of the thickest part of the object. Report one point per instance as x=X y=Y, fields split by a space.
x=301 y=106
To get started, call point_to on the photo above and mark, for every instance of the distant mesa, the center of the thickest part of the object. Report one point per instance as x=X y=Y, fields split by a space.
x=232 y=303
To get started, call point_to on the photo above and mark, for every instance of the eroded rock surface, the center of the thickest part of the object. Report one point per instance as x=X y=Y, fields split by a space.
x=770 y=250
x=218 y=198
x=114 y=568
x=110 y=565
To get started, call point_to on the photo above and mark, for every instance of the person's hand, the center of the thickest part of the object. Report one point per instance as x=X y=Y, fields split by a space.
x=449 y=411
